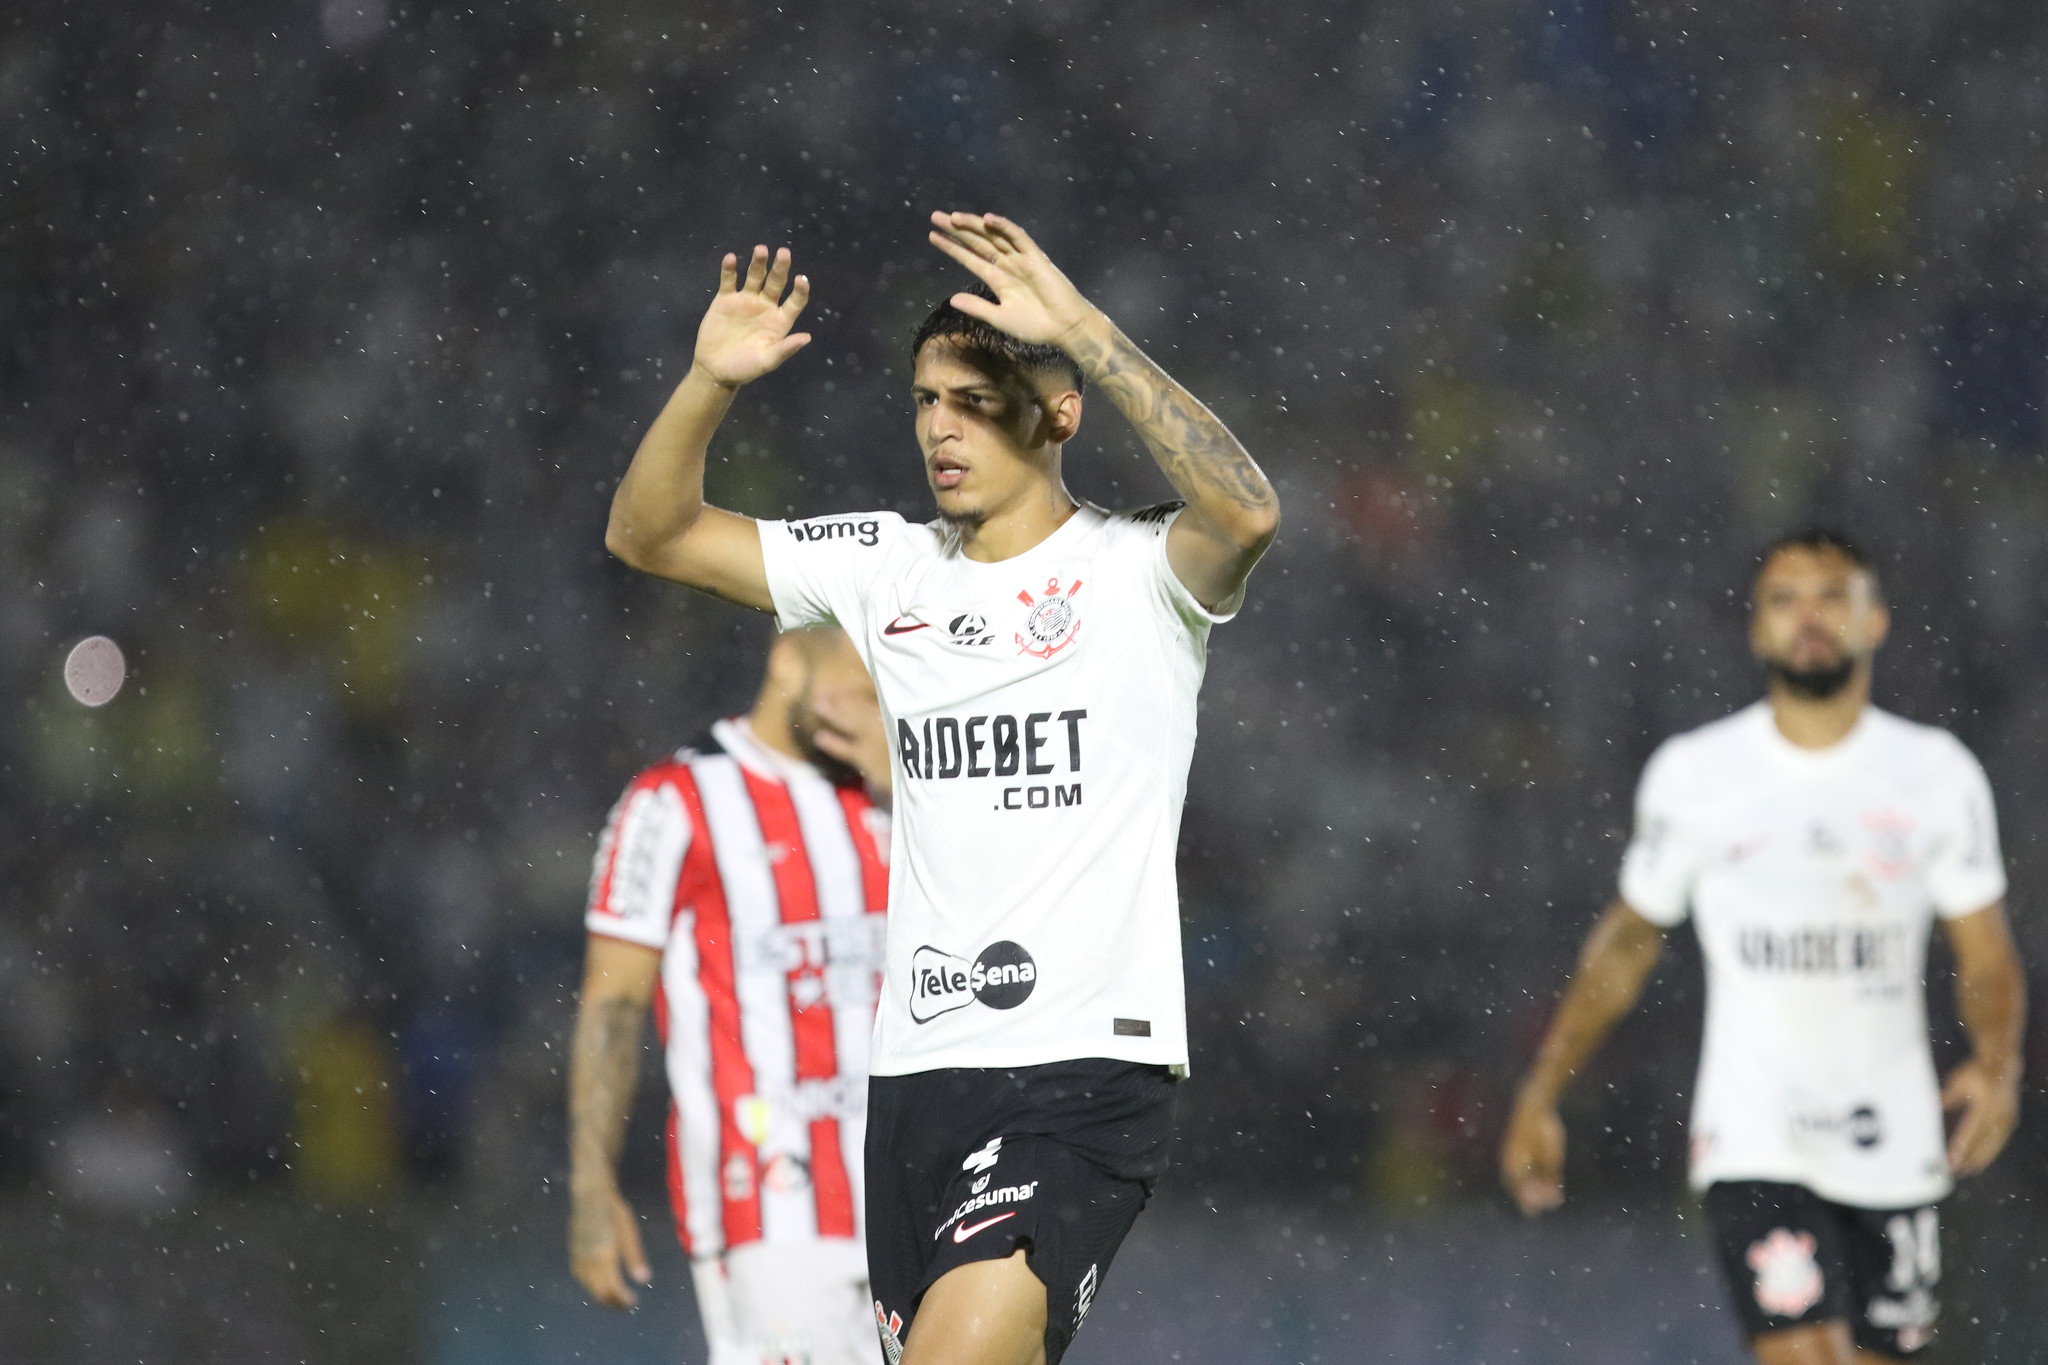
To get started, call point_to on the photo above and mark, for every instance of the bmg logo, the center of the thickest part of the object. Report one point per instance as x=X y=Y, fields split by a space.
x=867 y=531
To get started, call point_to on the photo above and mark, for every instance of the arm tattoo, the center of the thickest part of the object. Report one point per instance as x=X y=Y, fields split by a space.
x=604 y=1069
x=1197 y=453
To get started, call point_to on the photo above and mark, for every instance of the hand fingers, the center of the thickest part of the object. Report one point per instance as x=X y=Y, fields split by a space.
x=976 y=307
x=1534 y=1195
x=1964 y=1157
x=845 y=714
x=757 y=269
x=600 y=1279
x=778 y=274
x=997 y=234
x=1007 y=234
x=630 y=1249
x=837 y=739
x=798 y=297
x=967 y=230
x=789 y=346
x=952 y=247
x=1978 y=1140
x=949 y=220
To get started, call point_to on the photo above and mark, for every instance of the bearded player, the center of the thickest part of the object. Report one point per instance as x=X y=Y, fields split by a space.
x=1813 y=839
x=1037 y=660
x=739 y=889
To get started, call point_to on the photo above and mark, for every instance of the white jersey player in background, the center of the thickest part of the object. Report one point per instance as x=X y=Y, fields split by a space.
x=740 y=888
x=1037 y=661
x=1812 y=838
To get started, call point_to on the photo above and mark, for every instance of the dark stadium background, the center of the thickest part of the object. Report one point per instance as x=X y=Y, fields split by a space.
x=327 y=326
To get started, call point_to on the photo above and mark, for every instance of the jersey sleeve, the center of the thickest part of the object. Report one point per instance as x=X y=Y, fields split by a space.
x=821 y=570
x=1148 y=527
x=639 y=864
x=1965 y=867
x=1662 y=861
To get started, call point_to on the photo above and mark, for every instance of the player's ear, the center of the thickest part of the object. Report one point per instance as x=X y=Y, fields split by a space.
x=1063 y=415
x=1880 y=621
x=1756 y=628
x=786 y=666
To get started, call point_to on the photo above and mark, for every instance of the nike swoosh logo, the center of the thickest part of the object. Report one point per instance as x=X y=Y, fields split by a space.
x=896 y=627
x=965 y=1230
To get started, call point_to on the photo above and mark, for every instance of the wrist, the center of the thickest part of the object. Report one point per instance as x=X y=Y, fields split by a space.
x=1087 y=337
x=703 y=378
x=2004 y=1071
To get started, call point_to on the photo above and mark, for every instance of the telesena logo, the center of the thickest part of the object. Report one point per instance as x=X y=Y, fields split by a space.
x=866 y=530
x=1002 y=978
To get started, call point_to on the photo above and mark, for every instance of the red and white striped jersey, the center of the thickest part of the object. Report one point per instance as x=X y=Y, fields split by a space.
x=764 y=885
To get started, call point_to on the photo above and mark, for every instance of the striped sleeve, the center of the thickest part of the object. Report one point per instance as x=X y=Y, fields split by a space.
x=639 y=863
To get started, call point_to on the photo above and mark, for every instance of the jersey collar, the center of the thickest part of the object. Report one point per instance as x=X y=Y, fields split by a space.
x=1810 y=760
x=1087 y=516
x=736 y=737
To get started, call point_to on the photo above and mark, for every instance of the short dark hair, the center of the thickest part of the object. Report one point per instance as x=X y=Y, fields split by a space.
x=972 y=334
x=1820 y=538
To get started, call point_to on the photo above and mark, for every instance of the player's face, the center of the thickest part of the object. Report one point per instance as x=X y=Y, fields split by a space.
x=985 y=428
x=1814 y=610
x=836 y=690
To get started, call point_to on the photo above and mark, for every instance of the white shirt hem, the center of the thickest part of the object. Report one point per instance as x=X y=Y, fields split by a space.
x=1001 y=1058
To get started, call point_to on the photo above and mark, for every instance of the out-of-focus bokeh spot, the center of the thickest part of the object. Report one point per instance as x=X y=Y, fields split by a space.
x=94 y=670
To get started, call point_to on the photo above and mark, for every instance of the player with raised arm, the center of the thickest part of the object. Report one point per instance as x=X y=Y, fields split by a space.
x=1812 y=838
x=1037 y=660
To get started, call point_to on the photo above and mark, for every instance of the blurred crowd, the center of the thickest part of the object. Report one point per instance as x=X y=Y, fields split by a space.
x=330 y=327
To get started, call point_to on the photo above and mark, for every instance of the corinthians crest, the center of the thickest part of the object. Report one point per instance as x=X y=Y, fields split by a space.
x=1052 y=622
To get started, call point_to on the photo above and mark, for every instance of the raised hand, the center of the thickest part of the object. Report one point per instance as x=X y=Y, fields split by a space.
x=1035 y=301
x=745 y=333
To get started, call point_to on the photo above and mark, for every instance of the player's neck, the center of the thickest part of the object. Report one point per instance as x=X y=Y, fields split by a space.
x=1820 y=722
x=768 y=724
x=1021 y=524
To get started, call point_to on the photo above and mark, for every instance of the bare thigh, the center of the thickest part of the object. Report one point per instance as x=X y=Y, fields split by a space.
x=1819 y=1343
x=982 y=1313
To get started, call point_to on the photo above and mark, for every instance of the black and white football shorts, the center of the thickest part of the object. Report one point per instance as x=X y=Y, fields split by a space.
x=967 y=1165
x=1793 y=1258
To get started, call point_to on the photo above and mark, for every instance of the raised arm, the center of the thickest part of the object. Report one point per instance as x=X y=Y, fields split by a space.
x=1613 y=965
x=1991 y=995
x=604 y=1066
x=660 y=523
x=1232 y=512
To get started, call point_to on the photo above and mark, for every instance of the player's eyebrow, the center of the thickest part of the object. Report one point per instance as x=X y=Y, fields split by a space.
x=978 y=386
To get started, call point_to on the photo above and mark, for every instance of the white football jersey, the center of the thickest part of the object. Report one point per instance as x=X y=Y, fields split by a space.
x=1812 y=877
x=1043 y=715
